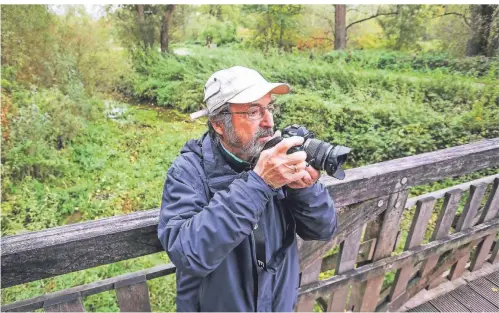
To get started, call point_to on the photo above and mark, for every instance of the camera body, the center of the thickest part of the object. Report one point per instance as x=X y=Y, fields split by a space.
x=321 y=155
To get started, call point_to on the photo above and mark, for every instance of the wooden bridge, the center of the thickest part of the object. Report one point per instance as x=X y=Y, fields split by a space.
x=451 y=243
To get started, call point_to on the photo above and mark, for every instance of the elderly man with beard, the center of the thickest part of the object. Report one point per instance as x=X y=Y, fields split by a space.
x=230 y=212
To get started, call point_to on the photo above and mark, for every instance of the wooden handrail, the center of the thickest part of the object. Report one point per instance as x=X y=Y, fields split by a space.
x=55 y=251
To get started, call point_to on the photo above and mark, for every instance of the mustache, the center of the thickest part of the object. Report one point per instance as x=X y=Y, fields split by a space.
x=264 y=132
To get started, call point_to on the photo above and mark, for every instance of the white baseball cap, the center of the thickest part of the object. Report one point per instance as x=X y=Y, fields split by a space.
x=237 y=84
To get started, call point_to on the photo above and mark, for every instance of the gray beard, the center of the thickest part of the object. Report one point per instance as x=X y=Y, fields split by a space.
x=253 y=148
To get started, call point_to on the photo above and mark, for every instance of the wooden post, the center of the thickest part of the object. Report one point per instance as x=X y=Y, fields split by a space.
x=424 y=209
x=384 y=245
x=465 y=221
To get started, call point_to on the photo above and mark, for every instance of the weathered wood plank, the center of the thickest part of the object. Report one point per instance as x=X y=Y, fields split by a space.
x=465 y=221
x=492 y=206
x=447 y=303
x=472 y=300
x=366 y=250
x=486 y=289
x=482 y=252
x=443 y=224
x=88 y=289
x=67 y=303
x=494 y=257
x=133 y=295
x=84 y=245
x=349 y=250
x=424 y=209
x=490 y=211
x=74 y=247
x=412 y=256
x=309 y=275
x=425 y=307
x=356 y=216
x=438 y=194
x=367 y=182
x=384 y=248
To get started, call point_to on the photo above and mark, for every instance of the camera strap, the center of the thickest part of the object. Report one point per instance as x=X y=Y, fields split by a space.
x=278 y=257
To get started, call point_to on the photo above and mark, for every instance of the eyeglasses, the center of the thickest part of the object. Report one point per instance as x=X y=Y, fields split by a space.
x=257 y=112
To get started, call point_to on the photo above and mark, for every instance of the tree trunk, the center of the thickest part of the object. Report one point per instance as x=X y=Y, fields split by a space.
x=340 y=31
x=281 y=34
x=165 y=27
x=481 y=24
x=140 y=23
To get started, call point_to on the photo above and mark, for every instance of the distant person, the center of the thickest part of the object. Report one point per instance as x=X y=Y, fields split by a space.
x=228 y=226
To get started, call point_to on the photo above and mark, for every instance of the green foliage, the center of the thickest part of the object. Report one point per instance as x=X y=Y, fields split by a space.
x=71 y=49
x=382 y=114
x=220 y=32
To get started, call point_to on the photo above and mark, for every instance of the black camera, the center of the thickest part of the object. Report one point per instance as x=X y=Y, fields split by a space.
x=320 y=154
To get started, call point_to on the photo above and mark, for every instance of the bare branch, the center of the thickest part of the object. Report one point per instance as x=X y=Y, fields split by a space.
x=458 y=14
x=371 y=17
x=323 y=38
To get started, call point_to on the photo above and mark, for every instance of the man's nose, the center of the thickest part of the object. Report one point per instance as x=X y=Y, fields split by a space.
x=267 y=120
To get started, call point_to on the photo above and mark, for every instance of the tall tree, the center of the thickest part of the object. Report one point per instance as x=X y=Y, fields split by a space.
x=274 y=23
x=482 y=17
x=340 y=29
x=165 y=27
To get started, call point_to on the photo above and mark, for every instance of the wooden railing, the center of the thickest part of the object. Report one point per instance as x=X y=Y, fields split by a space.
x=370 y=201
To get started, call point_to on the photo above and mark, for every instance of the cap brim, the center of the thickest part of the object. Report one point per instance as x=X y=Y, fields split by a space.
x=257 y=92
x=199 y=114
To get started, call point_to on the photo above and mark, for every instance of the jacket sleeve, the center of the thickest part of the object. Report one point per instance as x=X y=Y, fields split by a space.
x=198 y=235
x=314 y=212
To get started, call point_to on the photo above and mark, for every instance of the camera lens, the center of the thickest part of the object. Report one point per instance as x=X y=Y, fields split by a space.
x=324 y=156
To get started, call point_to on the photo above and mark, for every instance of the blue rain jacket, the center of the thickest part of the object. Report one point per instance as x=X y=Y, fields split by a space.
x=207 y=216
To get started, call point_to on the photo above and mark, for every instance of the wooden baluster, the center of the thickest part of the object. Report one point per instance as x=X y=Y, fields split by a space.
x=488 y=213
x=309 y=275
x=133 y=295
x=66 y=303
x=384 y=247
x=424 y=209
x=494 y=258
x=466 y=221
x=349 y=250
x=443 y=224
x=371 y=234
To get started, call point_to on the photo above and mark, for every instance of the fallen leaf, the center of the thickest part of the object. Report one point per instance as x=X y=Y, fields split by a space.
x=494 y=289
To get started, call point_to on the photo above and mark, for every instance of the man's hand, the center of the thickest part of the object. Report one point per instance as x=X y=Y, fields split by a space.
x=313 y=176
x=277 y=168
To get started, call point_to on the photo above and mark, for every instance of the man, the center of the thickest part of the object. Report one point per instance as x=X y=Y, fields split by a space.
x=229 y=226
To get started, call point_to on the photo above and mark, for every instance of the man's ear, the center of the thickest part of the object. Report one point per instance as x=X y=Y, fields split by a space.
x=217 y=126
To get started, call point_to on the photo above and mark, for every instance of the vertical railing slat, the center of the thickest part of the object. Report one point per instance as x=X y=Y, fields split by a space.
x=133 y=295
x=443 y=225
x=384 y=247
x=424 y=209
x=466 y=221
x=349 y=250
x=309 y=275
x=489 y=212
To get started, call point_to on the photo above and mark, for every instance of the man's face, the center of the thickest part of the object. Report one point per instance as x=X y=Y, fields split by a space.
x=249 y=135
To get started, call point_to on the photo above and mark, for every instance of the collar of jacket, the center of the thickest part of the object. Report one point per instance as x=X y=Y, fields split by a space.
x=219 y=174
